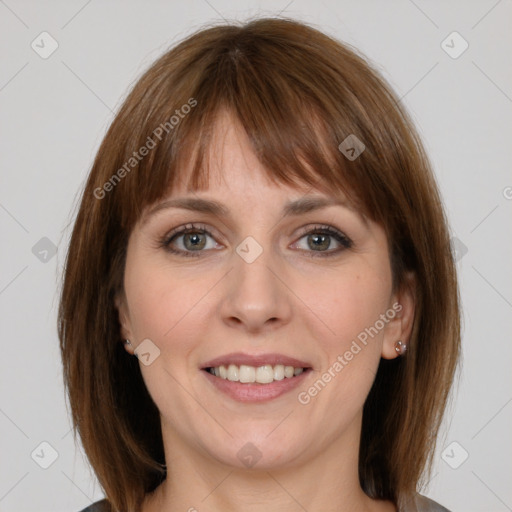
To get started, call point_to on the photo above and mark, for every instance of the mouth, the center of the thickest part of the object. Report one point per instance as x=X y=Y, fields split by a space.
x=264 y=374
x=257 y=378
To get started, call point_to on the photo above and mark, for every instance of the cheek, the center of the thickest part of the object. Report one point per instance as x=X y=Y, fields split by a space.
x=350 y=303
x=159 y=303
x=348 y=311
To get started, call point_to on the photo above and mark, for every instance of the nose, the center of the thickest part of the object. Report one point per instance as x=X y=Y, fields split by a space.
x=256 y=298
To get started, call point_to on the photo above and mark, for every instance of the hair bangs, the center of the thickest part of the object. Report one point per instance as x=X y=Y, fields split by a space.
x=291 y=123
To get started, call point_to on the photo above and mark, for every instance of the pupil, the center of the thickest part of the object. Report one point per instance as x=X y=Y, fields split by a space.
x=319 y=241
x=194 y=241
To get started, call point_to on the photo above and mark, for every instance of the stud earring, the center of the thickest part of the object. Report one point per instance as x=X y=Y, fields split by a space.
x=128 y=346
x=400 y=347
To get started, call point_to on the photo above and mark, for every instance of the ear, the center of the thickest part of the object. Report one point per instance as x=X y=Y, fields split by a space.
x=124 y=321
x=401 y=315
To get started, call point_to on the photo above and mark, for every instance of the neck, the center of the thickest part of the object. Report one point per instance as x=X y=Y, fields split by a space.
x=329 y=481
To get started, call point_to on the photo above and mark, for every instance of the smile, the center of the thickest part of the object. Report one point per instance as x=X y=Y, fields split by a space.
x=264 y=374
x=246 y=377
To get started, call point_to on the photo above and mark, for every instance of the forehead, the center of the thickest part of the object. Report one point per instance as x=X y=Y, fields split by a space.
x=231 y=163
x=236 y=174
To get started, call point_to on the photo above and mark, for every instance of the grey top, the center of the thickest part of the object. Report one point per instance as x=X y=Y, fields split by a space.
x=422 y=504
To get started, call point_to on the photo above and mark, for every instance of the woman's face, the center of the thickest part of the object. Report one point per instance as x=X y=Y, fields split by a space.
x=272 y=277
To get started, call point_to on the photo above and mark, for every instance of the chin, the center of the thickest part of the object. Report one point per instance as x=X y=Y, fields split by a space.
x=257 y=453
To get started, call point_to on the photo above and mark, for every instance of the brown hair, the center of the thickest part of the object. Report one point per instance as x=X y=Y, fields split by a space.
x=298 y=94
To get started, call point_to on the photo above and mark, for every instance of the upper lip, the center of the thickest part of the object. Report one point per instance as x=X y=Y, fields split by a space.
x=239 y=358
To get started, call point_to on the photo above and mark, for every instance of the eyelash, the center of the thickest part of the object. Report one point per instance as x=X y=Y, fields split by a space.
x=343 y=240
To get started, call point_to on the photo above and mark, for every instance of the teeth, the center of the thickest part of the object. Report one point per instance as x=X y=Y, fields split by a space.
x=263 y=374
x=233 y=373
x=279 y=372
x=288 y=371
x=247 y=373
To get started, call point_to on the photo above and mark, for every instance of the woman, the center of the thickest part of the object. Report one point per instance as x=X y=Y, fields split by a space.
x=260 y=307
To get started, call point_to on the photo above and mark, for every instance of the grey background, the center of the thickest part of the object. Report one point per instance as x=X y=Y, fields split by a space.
x=55 y=112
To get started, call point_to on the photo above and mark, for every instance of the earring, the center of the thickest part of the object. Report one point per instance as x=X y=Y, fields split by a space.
x=128 y=346
x=400 y=347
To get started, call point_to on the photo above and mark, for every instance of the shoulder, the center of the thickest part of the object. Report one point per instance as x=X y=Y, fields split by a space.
x=423 y=504
x=99 y=506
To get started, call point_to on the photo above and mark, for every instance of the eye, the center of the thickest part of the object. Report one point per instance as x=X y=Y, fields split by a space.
x=321 y=239
x=192 y=240
x=188 y=240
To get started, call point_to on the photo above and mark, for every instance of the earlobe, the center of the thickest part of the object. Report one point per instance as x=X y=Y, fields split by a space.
x=398 y=331
x=128 y=347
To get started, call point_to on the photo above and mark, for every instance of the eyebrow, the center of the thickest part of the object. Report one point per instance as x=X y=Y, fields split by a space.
x=291 y=208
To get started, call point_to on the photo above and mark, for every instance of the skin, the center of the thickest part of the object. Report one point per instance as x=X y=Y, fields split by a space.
x=287 y=301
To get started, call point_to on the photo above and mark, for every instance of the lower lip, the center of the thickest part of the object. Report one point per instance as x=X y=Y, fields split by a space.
x=254 y=392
